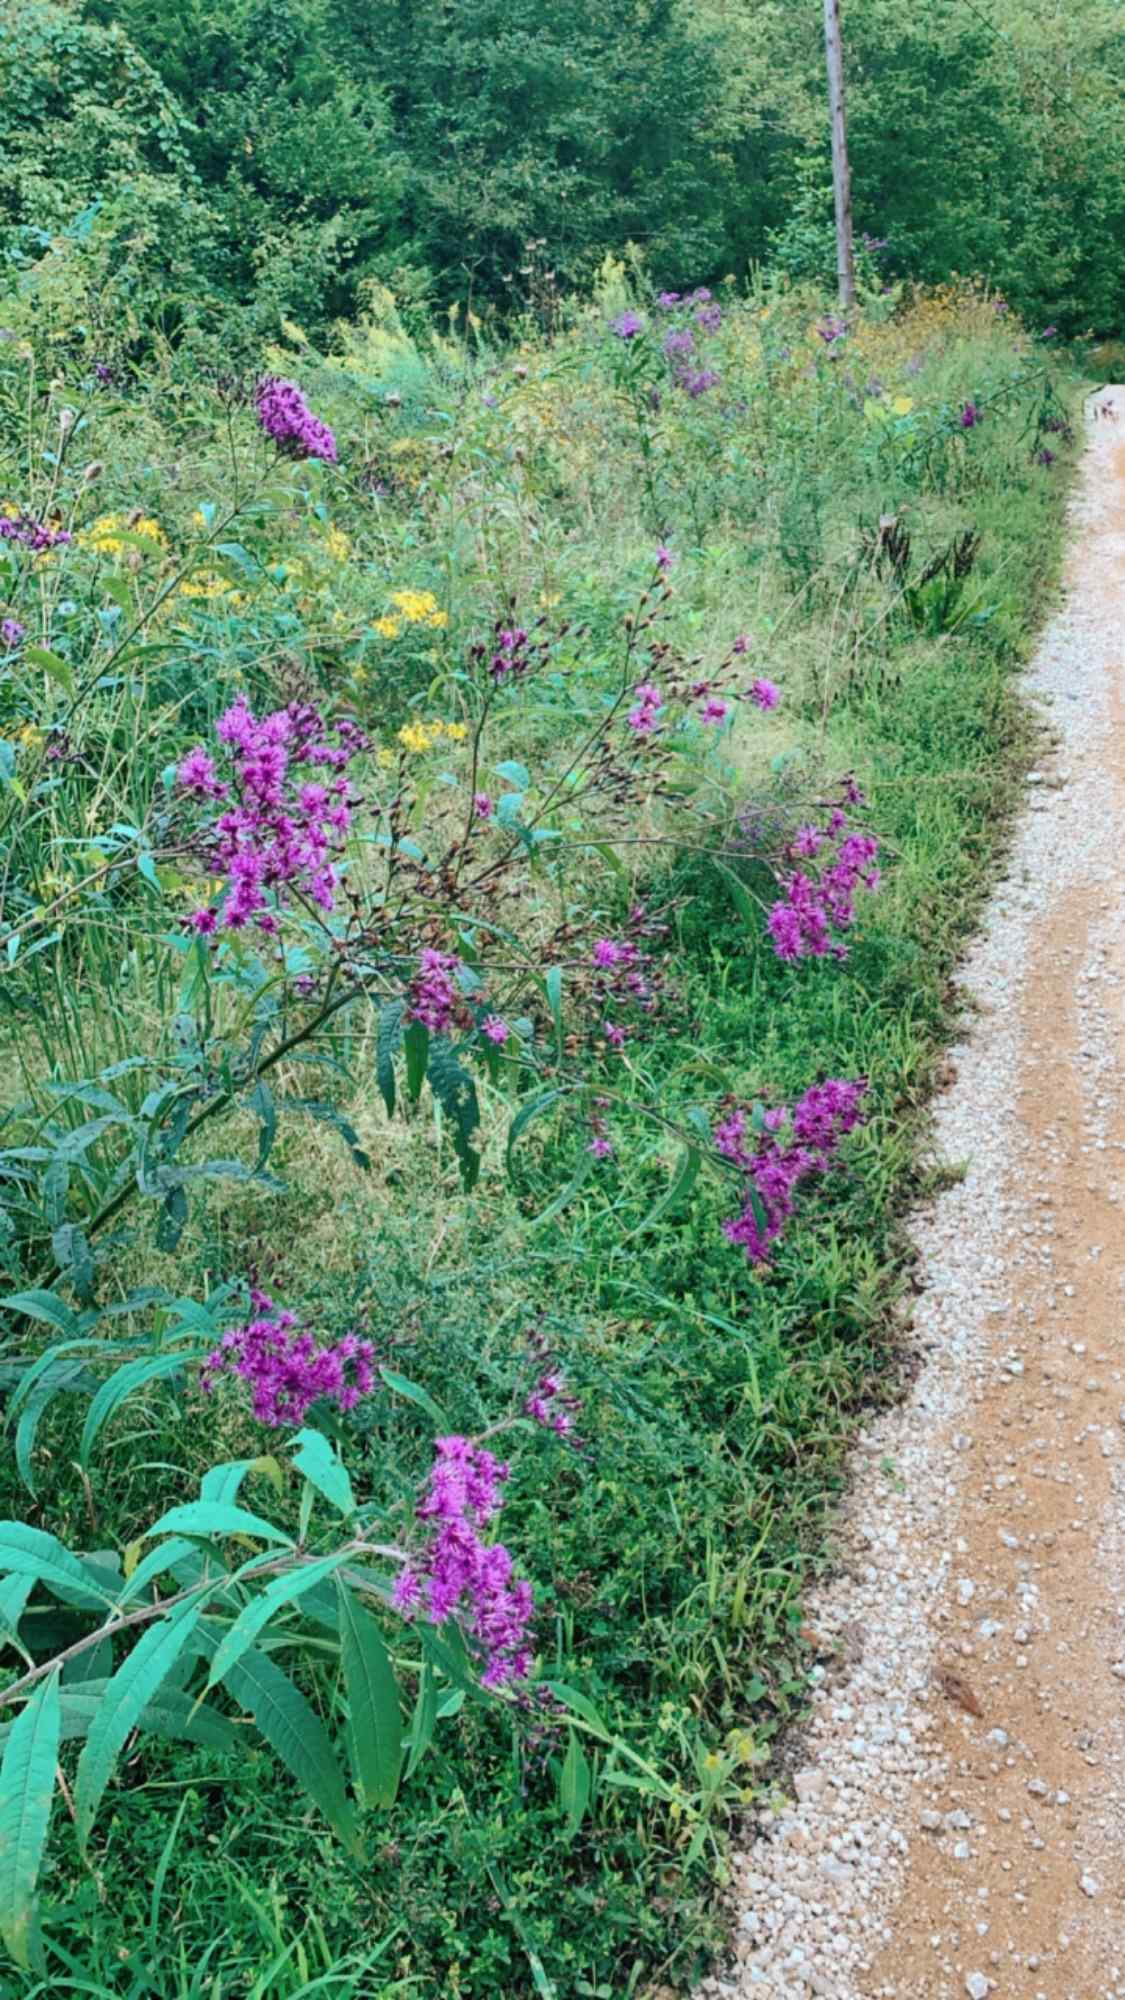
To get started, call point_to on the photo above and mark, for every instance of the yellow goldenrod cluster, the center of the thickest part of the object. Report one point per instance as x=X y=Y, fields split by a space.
x=105 y=536
x=337 y=544
x=419 y=736
x=412 y=607
x=209 y=585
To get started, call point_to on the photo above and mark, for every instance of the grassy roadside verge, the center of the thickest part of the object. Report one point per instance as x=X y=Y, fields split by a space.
x=670 y=1557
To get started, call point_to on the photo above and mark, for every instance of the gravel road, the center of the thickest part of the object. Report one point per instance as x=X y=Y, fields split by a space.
x=959 y=1826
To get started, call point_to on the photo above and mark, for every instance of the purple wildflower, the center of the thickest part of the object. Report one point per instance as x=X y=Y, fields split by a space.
x=776 y=1167
x=667 y=301
x=281 y=832
x=642 y=719
x=679 y=342
x=12 y=634
x=285 y=1369
x=38 y=536
x=627 y=325
x=697 y=381
x=286 y=418
x=714 y=711
x=709 y=318
x=495 y=1029
x=664 y=558
x=765 y=694
x=971 y=416
x=433 y=995
x=457 y=1572
x=806 y=921
x=482 y=805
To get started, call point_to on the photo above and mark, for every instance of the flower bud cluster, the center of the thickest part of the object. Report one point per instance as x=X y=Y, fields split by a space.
x=456 y=1571
x=286 y=1369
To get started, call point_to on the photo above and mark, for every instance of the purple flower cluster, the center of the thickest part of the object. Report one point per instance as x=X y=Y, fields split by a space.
x=814 y=907
x=780 y=1160
x=623 y=975
x=627 y=325
x=458 y=1571
x=12 y=634
x=29 y=533
x=286 y=418
x=281 y=829
x=832 y=330
x=433 y=997
x=551 y=1404
x=971 y=416
x=642 y=719
x=511 y=659
x=285 y=1369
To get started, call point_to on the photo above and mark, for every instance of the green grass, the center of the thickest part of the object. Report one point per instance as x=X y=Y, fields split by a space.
x=671 y=1557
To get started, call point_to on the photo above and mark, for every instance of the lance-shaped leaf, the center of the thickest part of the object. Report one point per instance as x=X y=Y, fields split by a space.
x=456 y=1093
x=127 y=1695
x=214 y=1517
x=296 y=1733
x=375 y=1717
x=26 y=1551
x=134 y=1375
x=255 y=1615
x=324 y=1469
x=27 y=1783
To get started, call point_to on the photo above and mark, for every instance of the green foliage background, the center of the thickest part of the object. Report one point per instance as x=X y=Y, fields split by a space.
x=275 y=156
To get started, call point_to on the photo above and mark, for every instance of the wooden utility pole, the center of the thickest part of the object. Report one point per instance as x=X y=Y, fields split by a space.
x=841 y=173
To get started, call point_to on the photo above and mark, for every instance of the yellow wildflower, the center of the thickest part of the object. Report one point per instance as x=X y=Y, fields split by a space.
x=389 y=627
x=338 y=544
x=413 y=736
x=106 y=532
x=208 y=586
x=386 y=758
x=456 y=731
x=902 y=405
x=419 y=607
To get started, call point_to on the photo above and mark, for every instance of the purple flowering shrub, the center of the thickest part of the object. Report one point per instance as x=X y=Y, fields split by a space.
x=779 y=1150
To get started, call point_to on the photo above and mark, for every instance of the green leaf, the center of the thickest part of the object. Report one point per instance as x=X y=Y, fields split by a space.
x=126 y=1696
x=574 y=1784
x=261 y=1103
x=224 y=1482
x=157 y=1563
x=213 y=1517
x=387 y=1044
x=54 y=666
x=740 y=895
x=14 y=1593
x=527 y=1115
x=416 y=1042
x=425 y=1718
x=43 y=1306
x=375 y=1717
x=283 y=1590
x=322 y=1467
x=687 y=1173
x=27 y=1783
x=296 y=1733
x=455 y=1091
x=170 y=1714
x=553 y=985
x=121 y=1384
x=414 y=1393
x=580 y=1704
x=70 y=1374
x=26 y=1551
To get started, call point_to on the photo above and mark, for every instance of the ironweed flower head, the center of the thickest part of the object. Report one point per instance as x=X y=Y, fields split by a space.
x=285 y=1369
x=12 y=634
x=286 y=418
x=456 y=1573
x=627 y=325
